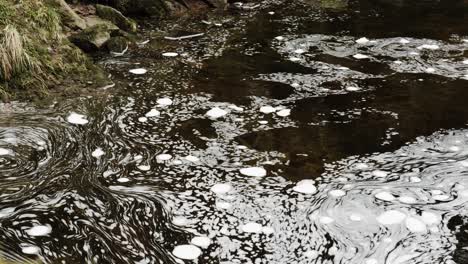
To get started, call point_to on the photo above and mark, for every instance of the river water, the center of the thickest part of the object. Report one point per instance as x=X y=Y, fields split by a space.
x=290 y=132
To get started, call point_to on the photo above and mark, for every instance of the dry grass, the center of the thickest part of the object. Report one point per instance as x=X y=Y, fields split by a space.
x=13 y=56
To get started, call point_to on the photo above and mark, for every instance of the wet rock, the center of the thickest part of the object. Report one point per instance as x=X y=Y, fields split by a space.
x=218 y=3
x=93 y=38
x=116 y=17
x=117 y=44
x=142 y=7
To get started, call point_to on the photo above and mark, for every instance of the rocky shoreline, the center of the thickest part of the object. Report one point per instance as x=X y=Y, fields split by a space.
x=46 y=44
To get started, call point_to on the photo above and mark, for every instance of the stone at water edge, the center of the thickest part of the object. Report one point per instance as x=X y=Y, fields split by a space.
x=116 y=17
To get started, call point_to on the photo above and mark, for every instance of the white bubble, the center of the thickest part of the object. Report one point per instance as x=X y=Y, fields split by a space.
x=284 y=112
x=138 y=71
x=371 y=261
x=267 y=109
x=180 y=221
x=271 y=13
x=4 y=151
x=361 y=166
x=97 y=153
x=223 y=205
x=415 y=179
x=404 y=41
x=326 y=220
x=254 y=171
x=441 y=197
x=337 y=193
x=77 y=119
x=201 y=241
x=164 y=157
x=380 y=173
x=415 y=225
x=355 y=217
x=142 y=119
x=299 y=51
x=279 y=38
x=429 y=47
x=252 y=228
x=221 y=188
x=267 y=230
x=144 y=167
x=294 y=59
x=391 y=217
x=311 y=254
x=39 y=230
x=153 y=113
x=454 y=148
x=192 y=158
x=170 y=54
x=263 y=122
x=123 y=180
x=430 y=70
x=306 y=187
x=407 y=199
x=360 y=56
x=236 y=108
x=352 y=89
x=430 y=218
x=362 y=40
x=385 y=196
x=164 y=101
x=216 y=112
x=30 y=250
x=188 y=252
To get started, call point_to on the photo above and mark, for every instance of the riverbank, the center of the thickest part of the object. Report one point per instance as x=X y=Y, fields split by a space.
x=46 y=44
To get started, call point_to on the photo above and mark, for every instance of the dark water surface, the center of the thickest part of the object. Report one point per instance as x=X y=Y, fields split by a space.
x=288 y=138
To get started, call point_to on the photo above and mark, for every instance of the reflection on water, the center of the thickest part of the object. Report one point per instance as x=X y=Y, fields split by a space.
x=303 y=132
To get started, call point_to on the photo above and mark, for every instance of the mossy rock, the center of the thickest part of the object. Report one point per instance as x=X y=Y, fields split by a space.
x=117 y=44
x=116 y=17
x=93 y=38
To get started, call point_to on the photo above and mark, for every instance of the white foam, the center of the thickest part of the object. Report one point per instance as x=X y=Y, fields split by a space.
x=430 y=70
x=267 y=230
x=201 y=241
x=271 y=13
x=192 y=158
x=236 y=108
x=361 y=166
x=299 y=51
x=306 y=187
x=430 y=218
x=216 y=112
x=429 y=47
x=454 y=148
x=39 y=230
x=415 y=225
x=188 y=252
x=371 y=261
x=221 y=188
x=360 y=56
x=170 y=54
x=153 y=113
x=284 y=112
x=279 y=38
x=30 y=250
x=337 y=193
x=267 y=109
x=404 y=41
x=254 y=171
x=98 y=153
x=77 y=119
x=391 y=217
x=355 y=217
x=380 y=173
x=294 y=59
x=415 y=179
x=180 y=221
x=252 y=228
x=4 y=151
x=138 y=71
x=142 y=119
x=144 y=167
x=123 y=180
x=263 y=122
x=164 y=101
x=164 y=157
x=326 y=220
x=398 y=62
x=465 y=62
x=441 y=197
x=313 y=254
x=223 y=205
x=352 y=89
x=407 y=199
x=362 y=40
x=385 y=196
